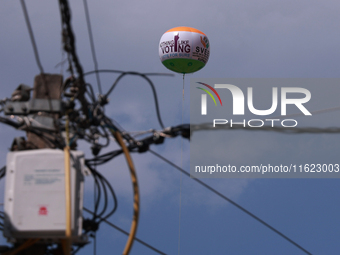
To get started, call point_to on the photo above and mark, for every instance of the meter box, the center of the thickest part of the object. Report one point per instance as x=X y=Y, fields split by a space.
x=35 y=194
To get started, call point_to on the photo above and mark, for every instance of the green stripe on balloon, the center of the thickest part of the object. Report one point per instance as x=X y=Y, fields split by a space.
x=209 y=94
x=183 y=65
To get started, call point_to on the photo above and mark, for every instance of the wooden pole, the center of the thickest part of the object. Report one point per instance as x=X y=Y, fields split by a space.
x=46 y=86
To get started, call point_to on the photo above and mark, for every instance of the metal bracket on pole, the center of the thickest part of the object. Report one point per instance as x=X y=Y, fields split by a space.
x=33 y=106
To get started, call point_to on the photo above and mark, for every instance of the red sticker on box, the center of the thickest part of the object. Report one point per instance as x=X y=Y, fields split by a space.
x=42 y=210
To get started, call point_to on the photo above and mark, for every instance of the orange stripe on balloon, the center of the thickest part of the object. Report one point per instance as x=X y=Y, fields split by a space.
x=186 y=29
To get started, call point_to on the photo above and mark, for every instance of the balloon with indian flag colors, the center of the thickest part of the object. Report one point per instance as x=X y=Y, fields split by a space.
x=184 y=49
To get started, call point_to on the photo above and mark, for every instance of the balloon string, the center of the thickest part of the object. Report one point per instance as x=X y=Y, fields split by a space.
x=180 y=184
x=183 y=97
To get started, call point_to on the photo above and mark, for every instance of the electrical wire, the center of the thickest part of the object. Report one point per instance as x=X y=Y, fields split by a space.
x=2 y=172
x=91 y=93
x=97 y=194
x=30 y=31
x=69 y=39
x=105 y=184
x=126 y=233
x=94 y=57
x=119 y=71
x=104 y=158
x=232 y=202
x=185 y=130
x=332 y=109
x=70 y=48
x=112 y=125
x=152 y=88
x=2 y=217
x=287 y=130
x=115 y=200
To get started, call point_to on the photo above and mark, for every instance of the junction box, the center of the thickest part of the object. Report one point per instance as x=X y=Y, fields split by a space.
x=35 y=195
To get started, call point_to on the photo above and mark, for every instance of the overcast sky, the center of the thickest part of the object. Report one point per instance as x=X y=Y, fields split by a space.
x=253 y=39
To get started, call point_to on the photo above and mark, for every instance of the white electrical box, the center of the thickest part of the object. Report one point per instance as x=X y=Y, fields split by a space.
x=35 y=194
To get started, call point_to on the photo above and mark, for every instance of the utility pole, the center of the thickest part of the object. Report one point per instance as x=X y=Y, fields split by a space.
x=46 y=86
